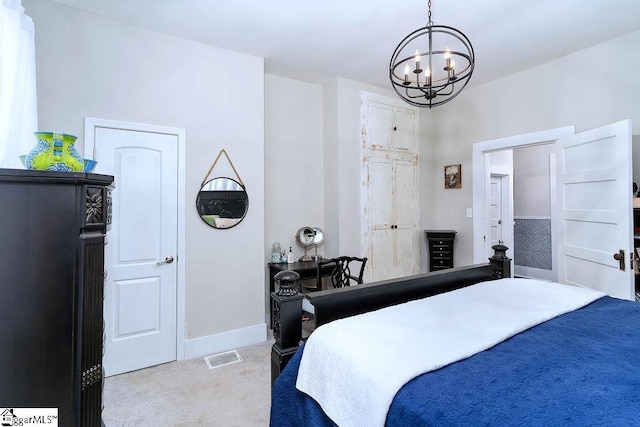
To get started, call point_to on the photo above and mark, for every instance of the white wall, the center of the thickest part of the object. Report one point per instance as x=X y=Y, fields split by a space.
x=430 y=177
x=331 y=246
x=293 y=162
x=92 y=66
x=531 y=181
x=587 y=89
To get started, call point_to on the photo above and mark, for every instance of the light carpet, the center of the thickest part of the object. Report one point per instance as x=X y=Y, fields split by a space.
x=188 y=393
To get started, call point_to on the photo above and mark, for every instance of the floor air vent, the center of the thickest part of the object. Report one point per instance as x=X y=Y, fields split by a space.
x=222 y=359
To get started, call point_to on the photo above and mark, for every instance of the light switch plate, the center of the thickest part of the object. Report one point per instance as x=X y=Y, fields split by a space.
x=469 y=212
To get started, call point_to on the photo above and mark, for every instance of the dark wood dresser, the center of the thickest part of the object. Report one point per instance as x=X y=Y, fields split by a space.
x=52 y=226
x=440 y=244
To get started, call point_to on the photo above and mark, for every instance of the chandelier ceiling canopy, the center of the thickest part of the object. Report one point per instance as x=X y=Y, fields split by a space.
x=431 y=65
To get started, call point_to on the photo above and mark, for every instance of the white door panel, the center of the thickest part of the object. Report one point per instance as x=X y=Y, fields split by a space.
x=391 y=210
x=404 y=136
x=405 y=193
x=380 y=260
x=380 y=187
x=139 y=207
x=406 y=217
x=140 y=290
x=594 y=204
x=378 y=126
x=406 y=252
x=580 y=269
x=137 y=305
x=379 y=211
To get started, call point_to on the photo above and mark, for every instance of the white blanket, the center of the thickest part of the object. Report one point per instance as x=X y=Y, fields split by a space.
x=354 y=367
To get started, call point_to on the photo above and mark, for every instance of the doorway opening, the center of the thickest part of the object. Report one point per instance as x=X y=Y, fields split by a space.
x=495 y=164
x=593 y=216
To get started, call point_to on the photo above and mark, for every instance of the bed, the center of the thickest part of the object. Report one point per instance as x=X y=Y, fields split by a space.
x=576 y=362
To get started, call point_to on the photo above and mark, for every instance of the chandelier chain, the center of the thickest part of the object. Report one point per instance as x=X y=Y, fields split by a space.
x=429 y=22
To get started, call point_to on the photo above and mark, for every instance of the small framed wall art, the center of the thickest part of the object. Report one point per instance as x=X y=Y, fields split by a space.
x=453 y=176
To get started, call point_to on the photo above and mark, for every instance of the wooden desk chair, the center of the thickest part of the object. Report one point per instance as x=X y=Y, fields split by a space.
x=342 y=275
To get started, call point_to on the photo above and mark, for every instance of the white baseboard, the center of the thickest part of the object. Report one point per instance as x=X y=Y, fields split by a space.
x=230 y=340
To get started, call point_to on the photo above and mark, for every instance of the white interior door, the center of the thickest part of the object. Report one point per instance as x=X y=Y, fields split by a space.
x=141 y=253
x=495 y=211
x=594 y=209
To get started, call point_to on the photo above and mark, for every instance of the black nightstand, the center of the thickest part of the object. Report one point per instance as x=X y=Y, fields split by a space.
x=440 y=248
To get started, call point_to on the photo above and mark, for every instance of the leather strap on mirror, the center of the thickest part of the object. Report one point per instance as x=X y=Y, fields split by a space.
x=223 y=151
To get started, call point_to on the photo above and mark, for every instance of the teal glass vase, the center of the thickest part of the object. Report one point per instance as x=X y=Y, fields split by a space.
x=54 y=152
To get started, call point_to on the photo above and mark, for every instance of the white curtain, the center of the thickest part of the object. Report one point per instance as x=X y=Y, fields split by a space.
x=18 y=108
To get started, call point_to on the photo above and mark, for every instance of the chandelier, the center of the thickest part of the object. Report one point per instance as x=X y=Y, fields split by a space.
x=432 y=65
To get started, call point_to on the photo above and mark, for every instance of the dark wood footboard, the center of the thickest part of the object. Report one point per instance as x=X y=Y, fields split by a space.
x=338 y=303
x=335 y=304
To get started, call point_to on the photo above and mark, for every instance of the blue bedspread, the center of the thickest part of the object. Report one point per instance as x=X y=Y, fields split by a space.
x=581 y=368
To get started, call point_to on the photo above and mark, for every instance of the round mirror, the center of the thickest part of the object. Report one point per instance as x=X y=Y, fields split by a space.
x=305 y=237
x=318 y=236
x=317 y=240
x=222 y=202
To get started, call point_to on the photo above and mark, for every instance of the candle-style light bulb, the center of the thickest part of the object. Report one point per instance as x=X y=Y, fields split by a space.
x=452 y=70
x=407 y=70
x=416 y=56
x=447 y=58
x=427 y=74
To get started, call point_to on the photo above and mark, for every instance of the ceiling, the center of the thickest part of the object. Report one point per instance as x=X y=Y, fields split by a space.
x=317 y=40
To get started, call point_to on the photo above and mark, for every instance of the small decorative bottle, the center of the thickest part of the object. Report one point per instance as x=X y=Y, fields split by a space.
x=290 y=258
x=275 y=252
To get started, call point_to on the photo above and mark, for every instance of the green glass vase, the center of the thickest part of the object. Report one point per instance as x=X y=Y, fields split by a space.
x=54 y=152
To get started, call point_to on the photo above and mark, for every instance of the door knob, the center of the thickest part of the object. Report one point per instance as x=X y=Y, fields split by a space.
x=167 y=260
x=499 y=221
x=620 y=258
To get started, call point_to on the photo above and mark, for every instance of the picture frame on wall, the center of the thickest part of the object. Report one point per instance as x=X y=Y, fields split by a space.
x=453 y=176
